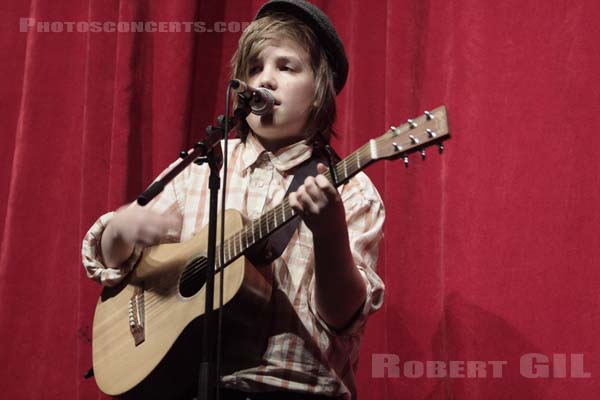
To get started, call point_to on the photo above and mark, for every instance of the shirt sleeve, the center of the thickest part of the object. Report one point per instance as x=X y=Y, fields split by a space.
x=169 y=200
x=365 y=216
x=93 y=262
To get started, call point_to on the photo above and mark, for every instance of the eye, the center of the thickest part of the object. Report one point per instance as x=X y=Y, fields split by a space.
x=254 y=70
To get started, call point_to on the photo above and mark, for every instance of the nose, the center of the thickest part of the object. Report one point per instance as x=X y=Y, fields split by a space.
x=267 y=79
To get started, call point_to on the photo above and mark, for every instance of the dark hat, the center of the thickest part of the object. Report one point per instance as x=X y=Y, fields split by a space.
x=323 y=29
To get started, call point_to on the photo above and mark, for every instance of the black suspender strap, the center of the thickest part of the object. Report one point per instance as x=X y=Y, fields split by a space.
x=266 y=251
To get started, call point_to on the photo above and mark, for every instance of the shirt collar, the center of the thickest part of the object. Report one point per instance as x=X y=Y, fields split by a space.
x=283 y=159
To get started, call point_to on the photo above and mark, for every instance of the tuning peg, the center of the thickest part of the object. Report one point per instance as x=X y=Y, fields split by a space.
x=405 y=159
x=394 y=129
x=423 y=154
x=431 y=133
x=183 y=154
x=412 y=123
x=428 y=115
x=441 y=147
x=397 y=147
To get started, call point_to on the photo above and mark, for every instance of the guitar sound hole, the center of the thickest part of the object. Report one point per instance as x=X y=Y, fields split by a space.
x=193 y=278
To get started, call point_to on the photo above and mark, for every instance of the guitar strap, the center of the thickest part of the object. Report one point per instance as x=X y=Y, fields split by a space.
x=272 y=247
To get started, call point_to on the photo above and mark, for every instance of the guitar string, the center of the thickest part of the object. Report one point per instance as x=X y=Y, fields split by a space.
x=189 y=275
x=156 y=301
x=279 y=212
x=197 y=267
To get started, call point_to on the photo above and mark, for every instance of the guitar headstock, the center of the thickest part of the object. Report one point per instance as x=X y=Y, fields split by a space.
x=415 y=135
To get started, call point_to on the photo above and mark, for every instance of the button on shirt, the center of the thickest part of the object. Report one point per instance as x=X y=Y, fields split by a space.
x=301 y=352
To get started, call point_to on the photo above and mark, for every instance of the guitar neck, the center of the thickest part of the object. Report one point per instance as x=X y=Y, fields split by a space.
x=415 y=135
x=278 y=216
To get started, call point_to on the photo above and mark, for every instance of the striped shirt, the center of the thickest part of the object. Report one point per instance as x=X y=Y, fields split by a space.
x=300 y=351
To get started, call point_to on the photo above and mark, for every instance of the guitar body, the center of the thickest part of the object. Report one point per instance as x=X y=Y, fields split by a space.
x=153 y=316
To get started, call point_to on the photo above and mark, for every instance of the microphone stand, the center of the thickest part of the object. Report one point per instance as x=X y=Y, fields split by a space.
x=207 y=150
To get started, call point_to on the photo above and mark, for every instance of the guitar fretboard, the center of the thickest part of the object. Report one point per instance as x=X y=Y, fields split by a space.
x=278 y=216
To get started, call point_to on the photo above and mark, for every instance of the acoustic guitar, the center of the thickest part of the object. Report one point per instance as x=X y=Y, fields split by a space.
x=150 y=319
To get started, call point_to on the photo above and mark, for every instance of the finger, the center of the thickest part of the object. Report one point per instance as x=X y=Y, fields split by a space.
x=326 y=186
x=156 y=226
x=153 y=234
x=171 y=221
x=321 y=180
x=315 y=192
x=308 y=204
x=295 y=204
x=146 y=240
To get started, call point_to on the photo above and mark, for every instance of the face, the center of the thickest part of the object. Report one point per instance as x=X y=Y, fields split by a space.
x=283 y=67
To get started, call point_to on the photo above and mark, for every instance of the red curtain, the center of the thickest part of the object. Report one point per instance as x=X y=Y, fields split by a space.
x=491 y=250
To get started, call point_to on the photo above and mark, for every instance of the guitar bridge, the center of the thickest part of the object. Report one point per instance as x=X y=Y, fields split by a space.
x=136 y=316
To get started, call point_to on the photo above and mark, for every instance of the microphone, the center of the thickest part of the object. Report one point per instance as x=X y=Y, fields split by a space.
x=260 y=100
